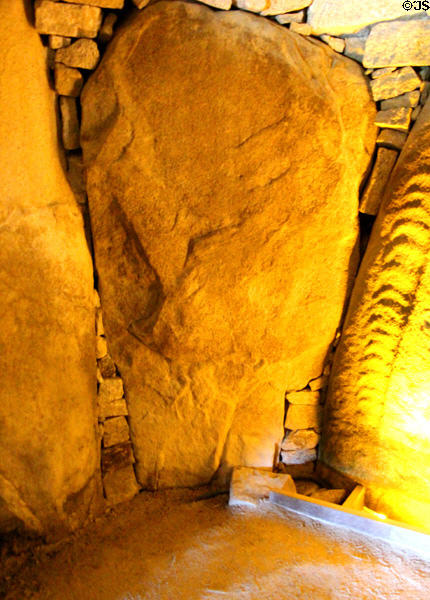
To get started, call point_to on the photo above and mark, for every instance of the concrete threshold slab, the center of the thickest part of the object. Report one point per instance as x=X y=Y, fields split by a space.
x=390 y=531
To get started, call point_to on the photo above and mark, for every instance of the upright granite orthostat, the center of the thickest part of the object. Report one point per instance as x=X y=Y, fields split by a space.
x=49 y=460
x=378 y=411
x=224 y=158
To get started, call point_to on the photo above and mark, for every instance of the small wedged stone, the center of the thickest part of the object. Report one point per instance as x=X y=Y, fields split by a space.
x=140 y=3
x=333 y=496
x=107 y=366
x=82 y=54
x=220 y=4
x=101 y=346
x=375 y=187
x=398 y=44
x=278 y=7
x=416 y=113
x=409 y=100
x=319 y=383
x=335 y=43
x=304 y=397
x=101 y=3
x=99 y=322
x=75 y=175
x=69 y=20
x=256 y=6
x=355 y=45
x=120 y=485
x=380 y=72
x=110 y=400
x=59 y=41
x=301 y=28
x=69 y=123
x=298 y=457
x=250 y=485
x=117 y=457
x=107 y=28
x=395 y=84
x=394 y=118
x=115 y=431
x=302 y=439
x=286 y=19
x=301 y=416
x=111 y=389
x=391 y=138
x=68 y=81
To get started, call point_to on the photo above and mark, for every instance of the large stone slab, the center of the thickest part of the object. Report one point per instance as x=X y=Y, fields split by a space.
x=48 y=447
x=398 y=44
x=338 y=17
x=377 y=421
x=223 y=260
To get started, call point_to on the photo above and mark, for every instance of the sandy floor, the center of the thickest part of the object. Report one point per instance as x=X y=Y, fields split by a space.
x=171 y=546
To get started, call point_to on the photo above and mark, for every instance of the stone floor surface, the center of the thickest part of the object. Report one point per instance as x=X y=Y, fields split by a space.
x=182 y=545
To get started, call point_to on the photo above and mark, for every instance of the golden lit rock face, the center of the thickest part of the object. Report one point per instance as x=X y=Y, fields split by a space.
x=378 y=419
x=48 y=451
x=224 y=157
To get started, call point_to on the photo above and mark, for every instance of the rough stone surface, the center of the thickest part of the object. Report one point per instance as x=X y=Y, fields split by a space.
x=298 y=457
x=278 y=7
x=398 y=44
x=304 y=397
x=118 y=4
x=82 y=54
x=335 y=43
x=390 y=138
x=69 y=123
x=120 y=485
x=68 y=82
x=394 y=84
x=302 y=416
x=339 y=17
x=48 y=447
x=115 y=431
x=375 y=187
x=376 y=426
x=302 y=439
x=110 y=398
x=58 y=41
x=70 y=20
x=411 y=99
x=394 y=118
x=249 y=486
x=214 y=298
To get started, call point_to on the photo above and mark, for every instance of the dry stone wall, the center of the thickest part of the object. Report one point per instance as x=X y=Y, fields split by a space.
x=392 y=46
